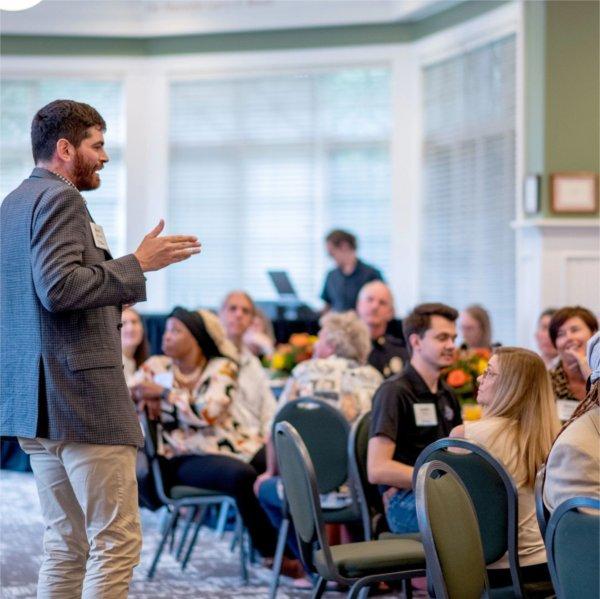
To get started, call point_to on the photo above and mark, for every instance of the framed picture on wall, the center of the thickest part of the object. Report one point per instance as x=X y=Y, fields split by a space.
x=574 y=193
x=531 y=194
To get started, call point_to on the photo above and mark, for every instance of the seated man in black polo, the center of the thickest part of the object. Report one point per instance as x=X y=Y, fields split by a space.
x=343 y=283
x=412 y=410
x=375 y=307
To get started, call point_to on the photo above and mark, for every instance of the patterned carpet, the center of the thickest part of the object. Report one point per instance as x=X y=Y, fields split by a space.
x=212 y=572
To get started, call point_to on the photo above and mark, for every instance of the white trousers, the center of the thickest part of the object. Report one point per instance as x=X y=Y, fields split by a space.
x=88 y=496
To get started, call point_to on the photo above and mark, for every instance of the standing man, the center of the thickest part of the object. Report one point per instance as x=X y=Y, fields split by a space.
x=343 y=283
x=375 y=307
x=63 y=390
x=412 y=410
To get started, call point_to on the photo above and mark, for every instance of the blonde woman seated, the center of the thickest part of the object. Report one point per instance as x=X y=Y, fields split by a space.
x=518 y=427
x=573 y=467
x=338 y=374
x=190 y=389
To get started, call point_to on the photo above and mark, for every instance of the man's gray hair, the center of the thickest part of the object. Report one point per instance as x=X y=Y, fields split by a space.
x=347 y=334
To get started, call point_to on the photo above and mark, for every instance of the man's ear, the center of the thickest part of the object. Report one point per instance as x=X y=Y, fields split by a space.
x=415 y=341
x=65 y=150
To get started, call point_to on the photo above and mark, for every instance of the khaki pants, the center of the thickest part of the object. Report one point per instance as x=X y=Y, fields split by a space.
x=88 y=496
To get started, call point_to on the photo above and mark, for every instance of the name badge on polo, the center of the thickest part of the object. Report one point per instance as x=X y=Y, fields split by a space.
x=425 y=414
x=99 y=238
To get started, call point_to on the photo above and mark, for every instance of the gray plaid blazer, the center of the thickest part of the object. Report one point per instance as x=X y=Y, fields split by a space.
x=60 y=313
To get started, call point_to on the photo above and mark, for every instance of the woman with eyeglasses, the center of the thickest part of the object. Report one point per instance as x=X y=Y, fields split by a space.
x=518 y=427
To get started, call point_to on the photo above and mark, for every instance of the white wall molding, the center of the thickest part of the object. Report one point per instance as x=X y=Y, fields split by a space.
x=558 y=264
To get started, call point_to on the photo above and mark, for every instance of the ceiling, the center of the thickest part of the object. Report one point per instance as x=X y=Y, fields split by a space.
x=155 y=18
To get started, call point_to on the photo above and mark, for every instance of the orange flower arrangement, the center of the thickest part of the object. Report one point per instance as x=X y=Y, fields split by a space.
x=288 y=355
x=462 y=375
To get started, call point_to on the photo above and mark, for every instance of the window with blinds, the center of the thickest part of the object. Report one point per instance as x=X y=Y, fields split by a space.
x=467 y=244
x=22 y=98
x=262 y=167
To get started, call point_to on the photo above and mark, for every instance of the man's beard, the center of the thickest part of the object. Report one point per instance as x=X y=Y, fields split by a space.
x=84 y=174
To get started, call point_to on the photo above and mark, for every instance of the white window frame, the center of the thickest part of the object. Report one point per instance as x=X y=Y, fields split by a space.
x=146 y=153
x=495 y=25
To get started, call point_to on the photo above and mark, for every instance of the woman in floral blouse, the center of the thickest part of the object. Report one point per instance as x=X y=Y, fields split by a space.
x=190 y=389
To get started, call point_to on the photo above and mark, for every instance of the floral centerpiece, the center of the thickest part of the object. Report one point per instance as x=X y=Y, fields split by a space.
x=287 y=355
x=462 y=375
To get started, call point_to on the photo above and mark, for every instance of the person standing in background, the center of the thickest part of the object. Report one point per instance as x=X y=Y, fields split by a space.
x=343 y=283
x=63 y=390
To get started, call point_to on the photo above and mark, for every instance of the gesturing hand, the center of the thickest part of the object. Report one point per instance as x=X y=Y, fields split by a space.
x=157 y=252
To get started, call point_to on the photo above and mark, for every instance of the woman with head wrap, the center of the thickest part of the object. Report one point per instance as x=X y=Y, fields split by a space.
x=190 y=390
x=573 y=467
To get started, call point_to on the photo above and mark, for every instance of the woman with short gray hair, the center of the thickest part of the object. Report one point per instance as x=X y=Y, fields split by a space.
x=338 y=372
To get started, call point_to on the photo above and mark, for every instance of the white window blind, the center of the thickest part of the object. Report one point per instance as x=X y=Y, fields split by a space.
x=262 y=167
x=22 y=98
x=468 y=247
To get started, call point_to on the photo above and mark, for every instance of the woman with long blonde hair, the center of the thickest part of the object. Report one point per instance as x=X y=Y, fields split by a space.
x=518 y=427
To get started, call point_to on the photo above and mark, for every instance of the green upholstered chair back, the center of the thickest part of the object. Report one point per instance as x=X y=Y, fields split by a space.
x=300 y=484
x=357 y=457
x=541 y=512
x=450 y=532
x=325 y=432
x=492 y=491
x=573 y=547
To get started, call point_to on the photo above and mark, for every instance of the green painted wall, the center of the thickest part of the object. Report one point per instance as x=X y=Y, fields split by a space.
x=562 y=88
x=572 y=85
x=318 y=37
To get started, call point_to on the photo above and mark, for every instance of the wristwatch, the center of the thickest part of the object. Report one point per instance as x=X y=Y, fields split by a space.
x=164 y=394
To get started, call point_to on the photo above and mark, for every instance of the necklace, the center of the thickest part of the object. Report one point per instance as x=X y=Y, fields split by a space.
x=64 y=180
x=190 y=378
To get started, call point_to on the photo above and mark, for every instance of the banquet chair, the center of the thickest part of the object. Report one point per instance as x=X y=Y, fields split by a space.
x=176 y=499
x=357 y=564
x=325 y=432
x=573 y=548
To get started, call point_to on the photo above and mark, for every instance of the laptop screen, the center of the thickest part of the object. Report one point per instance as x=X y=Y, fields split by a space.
x=282 y=283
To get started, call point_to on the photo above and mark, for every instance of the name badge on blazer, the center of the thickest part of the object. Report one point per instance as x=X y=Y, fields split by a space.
x=99 y=238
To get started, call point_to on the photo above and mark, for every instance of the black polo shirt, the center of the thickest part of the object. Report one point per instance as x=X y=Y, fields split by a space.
x=388 y=355
x=394 y=414
x=340 y=290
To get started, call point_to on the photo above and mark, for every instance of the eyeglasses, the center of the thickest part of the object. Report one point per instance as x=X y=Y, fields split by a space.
x=488 y=373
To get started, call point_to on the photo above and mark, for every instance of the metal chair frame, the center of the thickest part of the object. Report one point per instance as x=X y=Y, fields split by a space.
x=196 y=504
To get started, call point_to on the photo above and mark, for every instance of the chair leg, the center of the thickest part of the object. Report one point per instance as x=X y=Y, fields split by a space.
x=240 y=532
x=407 y=588
x=188 y=553
x=222 y=521
x=163 y=540
x=278 y=559
x=319 y=588
x=184 y=535
x=174 y=531
x=363 y=593
x=359 y=589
